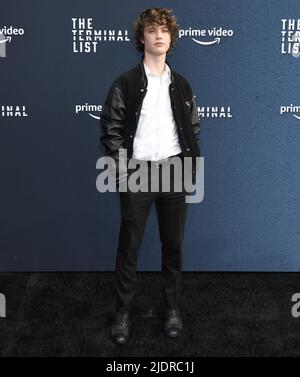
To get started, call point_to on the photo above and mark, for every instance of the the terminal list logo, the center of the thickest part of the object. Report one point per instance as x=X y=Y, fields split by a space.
x=6 y=34
x=206 y=37
x=89 y=109
x=13 y=111
x=214 y=112
x=290 y=37
x=86 y=38
x=291 y=110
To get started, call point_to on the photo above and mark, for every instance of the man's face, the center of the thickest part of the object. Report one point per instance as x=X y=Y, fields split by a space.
x=156 y=39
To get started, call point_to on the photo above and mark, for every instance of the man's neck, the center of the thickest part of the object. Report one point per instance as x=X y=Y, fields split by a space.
x=156 y=64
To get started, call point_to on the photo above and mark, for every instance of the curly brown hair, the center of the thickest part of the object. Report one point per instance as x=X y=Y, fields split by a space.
x=158 y=16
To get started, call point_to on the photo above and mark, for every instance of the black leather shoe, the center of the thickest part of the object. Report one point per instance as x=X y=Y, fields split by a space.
x=120 y=327
x=173 y=324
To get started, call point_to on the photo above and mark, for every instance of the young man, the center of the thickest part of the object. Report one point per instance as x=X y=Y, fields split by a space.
x=151 y=113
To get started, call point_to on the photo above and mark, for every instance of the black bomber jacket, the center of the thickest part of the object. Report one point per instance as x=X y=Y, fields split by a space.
x=121 y=111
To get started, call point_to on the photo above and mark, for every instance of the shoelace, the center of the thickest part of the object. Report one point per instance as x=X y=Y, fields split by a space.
x=124 y=317
x=172 y=313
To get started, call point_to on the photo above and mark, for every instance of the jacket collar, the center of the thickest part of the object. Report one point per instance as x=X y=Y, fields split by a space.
x=143 y=76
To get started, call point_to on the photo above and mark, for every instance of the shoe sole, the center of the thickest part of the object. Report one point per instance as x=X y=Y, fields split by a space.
x=125 y=341
x=170 y=335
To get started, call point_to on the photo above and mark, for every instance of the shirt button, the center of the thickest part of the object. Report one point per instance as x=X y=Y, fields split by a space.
x=142 y=90
x=180 y=128
x=187 y=149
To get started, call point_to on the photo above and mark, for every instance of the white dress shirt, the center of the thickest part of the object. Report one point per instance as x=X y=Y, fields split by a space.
x=156 y=135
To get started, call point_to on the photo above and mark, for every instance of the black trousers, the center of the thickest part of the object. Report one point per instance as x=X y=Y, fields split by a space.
x=171 y=210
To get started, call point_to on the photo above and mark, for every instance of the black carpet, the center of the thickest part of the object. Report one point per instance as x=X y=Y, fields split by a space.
x=224 y=314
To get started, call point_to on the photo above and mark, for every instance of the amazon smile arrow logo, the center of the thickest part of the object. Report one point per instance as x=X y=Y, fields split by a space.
x=8 y=39
x=217 y=40
x=94 y=116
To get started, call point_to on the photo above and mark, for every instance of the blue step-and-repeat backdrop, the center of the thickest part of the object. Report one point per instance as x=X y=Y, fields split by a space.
x=57 y=62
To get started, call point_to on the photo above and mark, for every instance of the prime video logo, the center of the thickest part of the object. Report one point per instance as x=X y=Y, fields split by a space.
x=134 y=175
x=291 y=110
x=5 y=36
x=2 y=306
x=89 y=109
x=215 y=34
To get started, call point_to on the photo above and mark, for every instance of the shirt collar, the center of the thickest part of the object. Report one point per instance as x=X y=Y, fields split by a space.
x=166 y=73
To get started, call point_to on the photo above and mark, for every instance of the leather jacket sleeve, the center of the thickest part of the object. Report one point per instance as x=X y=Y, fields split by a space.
x=194 y=117
x=112 y=122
